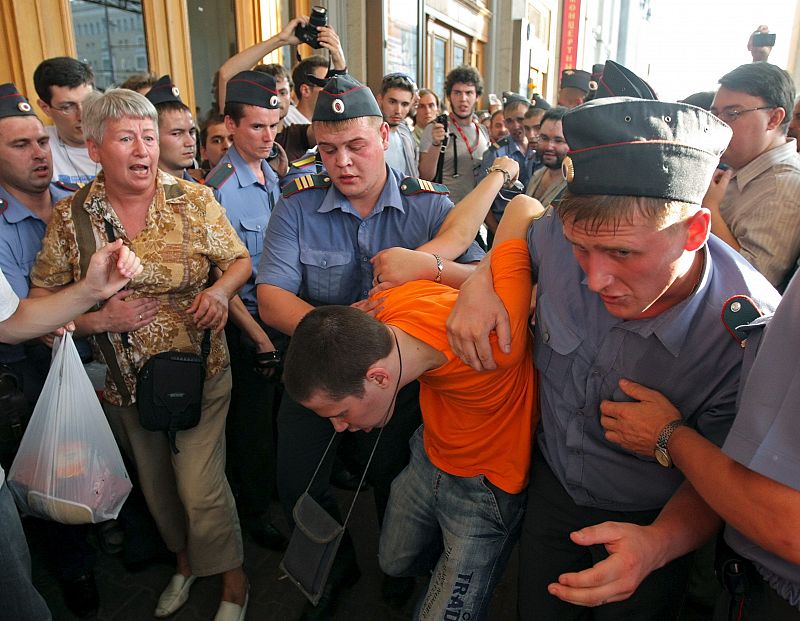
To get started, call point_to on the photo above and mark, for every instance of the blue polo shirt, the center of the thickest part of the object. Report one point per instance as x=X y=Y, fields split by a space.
x=581 y=352
x=319 y=248
x=21 y=233
x=248 y=204
x=765 y=436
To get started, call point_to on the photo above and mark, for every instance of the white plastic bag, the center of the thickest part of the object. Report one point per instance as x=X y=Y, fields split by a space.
x=68 y=467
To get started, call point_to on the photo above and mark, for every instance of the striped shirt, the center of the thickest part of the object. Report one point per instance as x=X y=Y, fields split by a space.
x=762 y=209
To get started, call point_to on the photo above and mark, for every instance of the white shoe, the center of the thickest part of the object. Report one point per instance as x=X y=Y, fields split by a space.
x=228 y=611
x=175 y=595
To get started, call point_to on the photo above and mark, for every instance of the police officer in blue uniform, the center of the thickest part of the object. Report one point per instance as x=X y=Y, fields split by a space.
x=515 y=146
x=630 y=289
x=177 y=132
x=247 y=187
x=320 y=239
x=26 y=203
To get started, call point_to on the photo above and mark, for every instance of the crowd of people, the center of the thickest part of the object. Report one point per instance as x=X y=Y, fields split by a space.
x=532 y=318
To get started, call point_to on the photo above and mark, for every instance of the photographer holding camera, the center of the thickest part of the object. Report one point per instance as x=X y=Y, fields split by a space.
x=297 y=31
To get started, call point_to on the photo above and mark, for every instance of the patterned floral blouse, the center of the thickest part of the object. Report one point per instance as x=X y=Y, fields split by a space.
x=185 y=233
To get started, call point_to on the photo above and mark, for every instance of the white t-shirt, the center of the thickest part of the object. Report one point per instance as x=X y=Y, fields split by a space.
x=8 y=305
x=70 y=164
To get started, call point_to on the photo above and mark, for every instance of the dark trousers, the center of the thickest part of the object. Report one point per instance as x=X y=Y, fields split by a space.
x=249 y=429
x=546 y=551
x=303 y=436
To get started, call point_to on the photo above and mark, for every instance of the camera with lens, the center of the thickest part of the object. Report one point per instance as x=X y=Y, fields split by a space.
x=308 y=34
x=442 y=120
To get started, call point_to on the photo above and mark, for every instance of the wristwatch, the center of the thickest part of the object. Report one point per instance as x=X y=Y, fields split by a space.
x=661 y=452
x=506 y=174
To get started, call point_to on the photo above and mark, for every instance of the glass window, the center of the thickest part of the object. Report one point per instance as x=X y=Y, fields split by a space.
x=402 y=37
x=100 y=42
x=459 y=53
x=209 y=52
x=439 y=65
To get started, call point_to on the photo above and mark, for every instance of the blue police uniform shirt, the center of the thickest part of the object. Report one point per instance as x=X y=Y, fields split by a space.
x=581 y=353
x=319 y=248
x=527 y=163
x=765 y=436
x=21 y=234
x=248 y=204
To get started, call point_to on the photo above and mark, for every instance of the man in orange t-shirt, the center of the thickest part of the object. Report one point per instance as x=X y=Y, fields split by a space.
x=456 y=509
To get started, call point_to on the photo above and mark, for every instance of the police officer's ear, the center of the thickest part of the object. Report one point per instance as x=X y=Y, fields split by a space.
x=698 y=228
x=384 y=132
x=230 y=124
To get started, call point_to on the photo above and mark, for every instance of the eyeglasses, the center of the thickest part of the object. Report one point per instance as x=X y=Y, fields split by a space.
x=557 y=140
x=729 y=116
x=67 y=109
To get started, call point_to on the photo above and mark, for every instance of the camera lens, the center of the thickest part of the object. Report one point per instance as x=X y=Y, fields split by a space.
x=319 y=16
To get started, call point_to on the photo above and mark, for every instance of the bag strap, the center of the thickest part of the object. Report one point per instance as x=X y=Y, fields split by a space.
x=389 y=410
x=87 y=245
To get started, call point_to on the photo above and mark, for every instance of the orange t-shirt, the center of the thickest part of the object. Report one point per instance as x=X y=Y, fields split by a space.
x=475 y=422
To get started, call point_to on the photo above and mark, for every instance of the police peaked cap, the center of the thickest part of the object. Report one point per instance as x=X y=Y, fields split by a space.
x=164 y=91
x=642 y=147
x=343 y=97
x=509 y=97
x=254 y=88
x=619 y=81
x=12 y=103
x=540 y=102
x=575 y=78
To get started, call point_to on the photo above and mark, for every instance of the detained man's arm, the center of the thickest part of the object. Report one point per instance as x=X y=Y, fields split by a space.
x=110 y=269
x=478 y=310
x=280 y=309
x=684 y=524
x=247 y=59
x=395 y=266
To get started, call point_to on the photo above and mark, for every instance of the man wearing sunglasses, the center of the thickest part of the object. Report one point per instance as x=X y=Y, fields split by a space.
x=62 y=85
x=755 y=201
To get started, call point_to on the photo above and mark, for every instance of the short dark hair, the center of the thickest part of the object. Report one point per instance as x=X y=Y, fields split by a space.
x=703 y=99
x=556 y=113
x=465 y=74
x=139 y=81
x=276 y=71
x=170 y=106
x=304 y=67
x=235 y=110
x=596 y=210
x=331 y=350
x=534 y=111
x=60 y=71
x=765 y=80
x=214 y=118
x=398 y=80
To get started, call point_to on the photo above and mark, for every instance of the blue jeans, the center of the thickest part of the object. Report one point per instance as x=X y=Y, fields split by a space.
x=460 y=528
x=19 y=600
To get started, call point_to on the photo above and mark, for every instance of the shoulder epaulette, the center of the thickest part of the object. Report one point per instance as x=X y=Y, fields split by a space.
x=306 y=182
x=304 y=161
x=411 y=186
x=69 y=187
x=3 y=205
x=217 y=177
x=739 y=311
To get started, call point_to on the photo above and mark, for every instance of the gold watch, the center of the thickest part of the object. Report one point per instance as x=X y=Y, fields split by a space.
x=661 y=453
